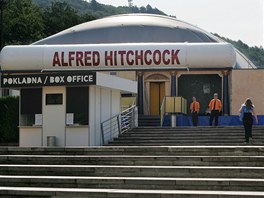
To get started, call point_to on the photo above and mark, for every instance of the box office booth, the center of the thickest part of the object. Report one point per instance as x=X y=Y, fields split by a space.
x=67 y=107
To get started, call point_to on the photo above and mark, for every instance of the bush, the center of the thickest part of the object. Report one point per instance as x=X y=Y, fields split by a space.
x=9 y=119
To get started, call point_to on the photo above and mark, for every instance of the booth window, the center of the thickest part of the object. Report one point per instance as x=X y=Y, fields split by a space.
x=31 y=105
x=77 y=103
x=54 y=99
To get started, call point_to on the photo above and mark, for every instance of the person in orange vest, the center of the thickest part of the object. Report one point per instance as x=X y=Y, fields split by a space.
x=215 y=107
x=195 y=107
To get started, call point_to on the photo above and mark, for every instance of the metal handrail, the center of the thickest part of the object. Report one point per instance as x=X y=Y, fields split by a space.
x=118 y=124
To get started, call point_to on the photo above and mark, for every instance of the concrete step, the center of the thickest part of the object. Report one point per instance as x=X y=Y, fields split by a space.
x=134 y=160
x=150 y=183
x=134 y=171
x=121 y=193
x=123 y=143
x=181 y=142
x=150 y=136
x=146 y=132
x=231 y=150
x=199 y=128
x=219 y=138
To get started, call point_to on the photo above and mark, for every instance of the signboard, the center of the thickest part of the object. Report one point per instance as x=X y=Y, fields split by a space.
x=117 y=56
x=39 y=80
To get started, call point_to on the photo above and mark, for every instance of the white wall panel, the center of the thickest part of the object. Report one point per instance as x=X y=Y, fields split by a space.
x=54 y=116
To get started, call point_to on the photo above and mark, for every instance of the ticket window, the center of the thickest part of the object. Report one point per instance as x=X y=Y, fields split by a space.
x=30 y=106
x=77 y=105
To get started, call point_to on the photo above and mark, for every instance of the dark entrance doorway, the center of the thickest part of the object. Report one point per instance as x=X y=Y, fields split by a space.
x=203 y=86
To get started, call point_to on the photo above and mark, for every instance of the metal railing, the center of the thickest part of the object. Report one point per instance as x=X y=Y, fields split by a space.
x=117 y=125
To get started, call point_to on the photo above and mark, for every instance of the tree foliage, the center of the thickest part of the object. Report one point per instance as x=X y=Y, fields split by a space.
x=59 y=16
x=23 y=22
x=255 y=54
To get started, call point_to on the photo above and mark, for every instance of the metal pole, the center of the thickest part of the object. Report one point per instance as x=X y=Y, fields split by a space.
x=118 y=124
x=102 y=133
x=140 y=94
x=226 y=104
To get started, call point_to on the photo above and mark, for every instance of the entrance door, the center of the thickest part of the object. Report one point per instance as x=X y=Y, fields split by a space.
x=157 y=93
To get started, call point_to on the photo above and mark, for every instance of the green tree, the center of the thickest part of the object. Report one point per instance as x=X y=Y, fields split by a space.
x=87 y=17
x=23 y=22
x=59 y=16
x=94 y=5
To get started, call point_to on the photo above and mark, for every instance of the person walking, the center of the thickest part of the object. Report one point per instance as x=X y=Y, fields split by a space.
x=215 y=107
x=248 y=111
x=195 y=107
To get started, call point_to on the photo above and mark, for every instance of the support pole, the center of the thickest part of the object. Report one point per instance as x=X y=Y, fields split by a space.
x=173 y=83
x=226 y=102
x=140 y=99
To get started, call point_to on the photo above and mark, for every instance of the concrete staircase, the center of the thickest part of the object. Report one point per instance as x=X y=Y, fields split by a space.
x=215 y=171
x=150 y=136
x=177 y=171
x=148 y=120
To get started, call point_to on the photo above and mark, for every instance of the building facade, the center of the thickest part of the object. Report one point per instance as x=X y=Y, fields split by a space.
x=162 y=56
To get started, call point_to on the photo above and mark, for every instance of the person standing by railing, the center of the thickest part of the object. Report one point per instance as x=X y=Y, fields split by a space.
x=195 y=107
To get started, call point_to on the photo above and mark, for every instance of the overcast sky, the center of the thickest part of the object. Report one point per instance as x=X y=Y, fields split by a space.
x=235 y=19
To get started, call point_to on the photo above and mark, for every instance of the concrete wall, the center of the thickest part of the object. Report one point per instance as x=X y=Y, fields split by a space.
x=54 y=116
x=30 y=136
x=104 y=103
x=77 y=135
x=247 y=84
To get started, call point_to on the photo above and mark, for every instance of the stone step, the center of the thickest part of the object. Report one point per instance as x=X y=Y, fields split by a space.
x=150 y=183
x=193 y=138
x=187 y=134
x=259 y=132
x=203 y=128
x=164 y=142
x=134 y=171
x=121 y=193
x=134 y=160
x=177 y=144
x=245 y=150
x=157 y=132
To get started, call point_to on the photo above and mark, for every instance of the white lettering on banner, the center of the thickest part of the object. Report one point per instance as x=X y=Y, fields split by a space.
x=57 y=79
x=22 y=81
x=79 y=78
x=48 y=80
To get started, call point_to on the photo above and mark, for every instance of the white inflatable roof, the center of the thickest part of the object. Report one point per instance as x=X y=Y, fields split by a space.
x=137 y=28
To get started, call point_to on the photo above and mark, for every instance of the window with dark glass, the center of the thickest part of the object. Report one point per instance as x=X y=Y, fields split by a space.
x=77 y=102
x=54 y=99
x=31 y=104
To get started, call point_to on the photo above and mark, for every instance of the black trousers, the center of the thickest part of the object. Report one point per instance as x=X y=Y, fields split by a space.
x=214 y=115
x=195 y=118
x=248 y=122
